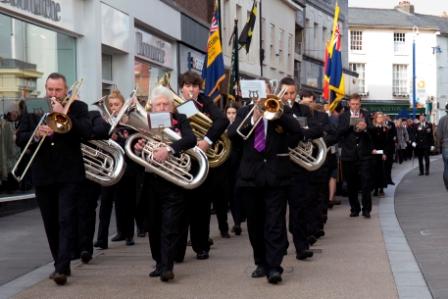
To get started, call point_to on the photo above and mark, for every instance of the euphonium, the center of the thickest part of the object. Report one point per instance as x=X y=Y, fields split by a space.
x=175 y=169
x=219 y=151
x=103 y=161
x=309 y=154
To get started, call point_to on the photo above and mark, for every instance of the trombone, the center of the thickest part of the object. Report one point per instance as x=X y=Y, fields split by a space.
x=58 y=122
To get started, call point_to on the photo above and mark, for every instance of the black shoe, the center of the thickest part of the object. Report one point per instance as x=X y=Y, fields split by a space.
x=260 y=271
x=303 y=255
x=156 y=273
x=117 y=238
x=86 y=257
x=366 y=214
x=210 y=242
x=100 y=245
x=67 y=273
x=178 y=260
x=426 y=173
x=203 y=255
x=381 y=194
x=311 y=240
x=354 y=214
x=391 y=183
x=375 y=193
x=319 y=234
x=60 y=278
x=274 y=277
x=130 y=241
x=225 y=235
x=166 y=275
x=236 y=230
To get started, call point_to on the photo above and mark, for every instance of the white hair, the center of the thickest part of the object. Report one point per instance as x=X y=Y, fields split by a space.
x=161 y=91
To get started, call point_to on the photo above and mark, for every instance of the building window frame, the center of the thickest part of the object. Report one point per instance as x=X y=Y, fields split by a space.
x=360 y=68
x=356 y=42
x=400 y=86
x=399 y=42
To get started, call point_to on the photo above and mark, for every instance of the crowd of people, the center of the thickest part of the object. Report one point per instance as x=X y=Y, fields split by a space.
x=258 y=181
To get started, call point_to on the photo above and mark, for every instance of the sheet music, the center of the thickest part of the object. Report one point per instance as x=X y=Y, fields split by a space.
x=159 y=120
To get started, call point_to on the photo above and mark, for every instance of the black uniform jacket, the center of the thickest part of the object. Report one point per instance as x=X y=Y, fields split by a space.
x=220 y=122
x=355 y=145
x=423 y=136
x=272 y=167
x=59 y=159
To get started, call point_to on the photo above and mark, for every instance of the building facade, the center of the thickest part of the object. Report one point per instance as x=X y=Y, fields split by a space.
x=314 y=29
x=381 y=52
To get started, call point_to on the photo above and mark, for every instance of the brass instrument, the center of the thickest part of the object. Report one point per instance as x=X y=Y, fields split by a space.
x=311 y=155
x=219 y=151
x=175 y=169
x=103 y=161
x=58 y=122
x=272 y=108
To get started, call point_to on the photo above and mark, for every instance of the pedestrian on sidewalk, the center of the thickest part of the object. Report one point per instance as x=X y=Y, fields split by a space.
x=423 y=143
x=442 y=136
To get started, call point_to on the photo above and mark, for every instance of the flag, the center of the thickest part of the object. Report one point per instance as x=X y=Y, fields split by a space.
x=234 y=80
x=333 y=86
x=213 y=70
x=246 y=34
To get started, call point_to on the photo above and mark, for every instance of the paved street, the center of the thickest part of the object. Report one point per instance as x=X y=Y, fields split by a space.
x=357 y=258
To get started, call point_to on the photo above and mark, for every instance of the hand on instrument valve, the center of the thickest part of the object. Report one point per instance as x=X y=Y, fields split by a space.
x=161 y=154
x=361 y=126
x=203 y=145
x=56 y=105
x=44 y=130
x=138 y=147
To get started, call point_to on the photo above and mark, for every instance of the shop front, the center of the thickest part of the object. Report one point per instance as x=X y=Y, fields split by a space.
x=36 y=39
x=154 y=58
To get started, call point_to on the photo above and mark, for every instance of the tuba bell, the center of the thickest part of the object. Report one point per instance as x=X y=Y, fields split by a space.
x=311 y=154
x=175 y=169
x=219 y=151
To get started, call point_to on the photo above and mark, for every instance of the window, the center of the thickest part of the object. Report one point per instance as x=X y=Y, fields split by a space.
x=315 y=30
x=281 y=47
x=400 y=80
x=324 y=36
x=399 y=41
x=272 y=42
x=290 y=51
x=106 y=67
x=356 y=40
x=360 y=68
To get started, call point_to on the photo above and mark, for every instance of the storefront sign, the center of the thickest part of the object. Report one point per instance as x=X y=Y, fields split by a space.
x=190 y=59
x=153 y=48
x=46 y=8
x=59 y=13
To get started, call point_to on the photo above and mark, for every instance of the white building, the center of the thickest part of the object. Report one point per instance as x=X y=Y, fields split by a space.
x=381 y=42
x=274 y=32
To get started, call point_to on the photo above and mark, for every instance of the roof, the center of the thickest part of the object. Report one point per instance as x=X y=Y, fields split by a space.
x=383 y=18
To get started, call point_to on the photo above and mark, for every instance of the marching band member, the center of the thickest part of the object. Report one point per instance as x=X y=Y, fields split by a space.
x=58 y=171
x=423 y=143
x=298 y=200
x=264 y=175
x=166 y=200
x=356 y=155
x=199 y=199
x=380 y=137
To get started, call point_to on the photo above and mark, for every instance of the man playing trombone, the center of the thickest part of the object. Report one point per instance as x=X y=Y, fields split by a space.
x=264 y=174
x=58 y=171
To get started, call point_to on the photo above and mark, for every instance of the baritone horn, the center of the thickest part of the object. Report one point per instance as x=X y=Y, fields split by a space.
x=219 y=151
x=311 y=154
x=177 y=168
x=57 y=121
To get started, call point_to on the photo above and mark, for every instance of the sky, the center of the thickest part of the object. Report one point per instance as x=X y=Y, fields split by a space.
x=429 y=7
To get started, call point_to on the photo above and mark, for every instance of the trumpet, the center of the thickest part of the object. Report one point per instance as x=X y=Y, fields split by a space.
x=219 y=151
x=272 y=108
x=58 y=122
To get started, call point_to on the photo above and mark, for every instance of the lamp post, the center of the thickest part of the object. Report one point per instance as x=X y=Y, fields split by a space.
x=414 y=94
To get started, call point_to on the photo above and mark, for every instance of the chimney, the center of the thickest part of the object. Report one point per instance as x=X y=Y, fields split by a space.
x=405 y=6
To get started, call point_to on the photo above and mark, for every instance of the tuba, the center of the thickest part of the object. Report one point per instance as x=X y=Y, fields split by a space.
x=103 y=159
x=219 y=151
x=175 y=169
x=311 y=155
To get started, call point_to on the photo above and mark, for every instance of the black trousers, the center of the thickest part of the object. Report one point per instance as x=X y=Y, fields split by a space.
x=358 y=176
x=86 y=215
x=266 y=208
x=298 y=210
x=107 y=202
x=166 y=216
x=57 y=203
x=423 y=154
